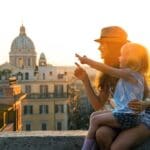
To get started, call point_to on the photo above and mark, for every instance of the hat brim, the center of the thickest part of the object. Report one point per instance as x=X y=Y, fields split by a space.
x=97 y=40
x=110 y=40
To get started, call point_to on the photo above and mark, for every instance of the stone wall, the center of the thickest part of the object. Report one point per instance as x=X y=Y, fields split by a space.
x=47 y=140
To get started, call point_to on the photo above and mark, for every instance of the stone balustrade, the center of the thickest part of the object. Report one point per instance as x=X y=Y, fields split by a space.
x=48 y=140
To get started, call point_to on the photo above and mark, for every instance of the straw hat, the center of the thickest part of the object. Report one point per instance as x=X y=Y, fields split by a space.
x=112 y=33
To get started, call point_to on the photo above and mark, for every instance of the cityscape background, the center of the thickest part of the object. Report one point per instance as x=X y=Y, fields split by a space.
x=36 y=95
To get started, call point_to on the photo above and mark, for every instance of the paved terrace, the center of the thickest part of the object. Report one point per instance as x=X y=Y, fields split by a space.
x=47 y=140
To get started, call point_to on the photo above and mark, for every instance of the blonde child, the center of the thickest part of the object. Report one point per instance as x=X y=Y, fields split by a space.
x=133 y=65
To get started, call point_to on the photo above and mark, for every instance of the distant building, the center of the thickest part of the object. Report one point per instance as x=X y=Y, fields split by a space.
x=46 y=104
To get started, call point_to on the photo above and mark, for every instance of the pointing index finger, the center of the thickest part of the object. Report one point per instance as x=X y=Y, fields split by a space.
x=77 y=55
x=77 y=65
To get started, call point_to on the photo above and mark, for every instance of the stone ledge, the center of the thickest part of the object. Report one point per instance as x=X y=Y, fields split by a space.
x=42 y=140
x=47 y=140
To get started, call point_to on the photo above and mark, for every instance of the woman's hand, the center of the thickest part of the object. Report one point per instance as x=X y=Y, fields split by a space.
x=137 y=105
x=80 y=73
x=82 y=59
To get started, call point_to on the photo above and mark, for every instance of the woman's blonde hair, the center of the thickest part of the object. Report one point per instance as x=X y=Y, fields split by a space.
x=137 y=57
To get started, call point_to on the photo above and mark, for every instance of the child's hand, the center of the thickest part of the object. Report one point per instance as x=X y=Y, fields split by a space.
x=82 y=59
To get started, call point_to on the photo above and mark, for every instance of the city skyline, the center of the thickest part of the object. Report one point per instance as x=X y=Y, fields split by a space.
x=60 y=29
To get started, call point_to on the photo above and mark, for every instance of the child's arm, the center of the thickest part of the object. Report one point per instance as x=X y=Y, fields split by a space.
x=119 y=73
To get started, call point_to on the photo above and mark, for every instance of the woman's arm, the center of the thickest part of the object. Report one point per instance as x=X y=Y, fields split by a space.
x=96 y=101
x=139 y=106
x=119 y=73
x=112 y=103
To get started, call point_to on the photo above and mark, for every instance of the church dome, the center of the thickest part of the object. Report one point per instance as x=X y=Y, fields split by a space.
x=42 y=56
x=22 y=53
x=42 y=60
x=22 y=42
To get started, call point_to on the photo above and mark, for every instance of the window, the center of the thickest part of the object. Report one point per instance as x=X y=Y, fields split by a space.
x=1 y=92
x=26 y=76
x=60 y=76
x=43 y=109
x=20 y=62
x=20 y=75
x=65 y=73
x=43 y=76
x=59 y=90
x=50 y=73
x=28 y=109
x=59 y=125
x=44 y=126
x=43 y=90
x=29 y=62
x=59 y=108
x=28 y=89
x=28 y=126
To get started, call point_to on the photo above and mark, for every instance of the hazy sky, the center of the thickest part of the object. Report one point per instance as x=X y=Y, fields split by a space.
x=61 y=28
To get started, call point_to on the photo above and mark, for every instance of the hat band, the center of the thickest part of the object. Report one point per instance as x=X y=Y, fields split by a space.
x=111 y=39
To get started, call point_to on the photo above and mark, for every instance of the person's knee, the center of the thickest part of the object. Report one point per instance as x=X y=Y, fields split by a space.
x=95 y=121
x=105 y=133
x=93 y=114
x=91 y=118
x=104 y=137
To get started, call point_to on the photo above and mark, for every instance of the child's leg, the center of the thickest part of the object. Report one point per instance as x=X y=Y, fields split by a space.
x=99 y=112
x=90 y=143
x=101 y=119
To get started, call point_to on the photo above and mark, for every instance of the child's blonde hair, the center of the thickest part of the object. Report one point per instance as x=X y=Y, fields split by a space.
x=137 y=57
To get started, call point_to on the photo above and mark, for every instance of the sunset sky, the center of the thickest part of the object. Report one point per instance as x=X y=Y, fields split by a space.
x=61 y=28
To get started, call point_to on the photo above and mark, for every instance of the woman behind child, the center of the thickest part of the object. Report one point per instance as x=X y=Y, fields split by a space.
x=133 y=65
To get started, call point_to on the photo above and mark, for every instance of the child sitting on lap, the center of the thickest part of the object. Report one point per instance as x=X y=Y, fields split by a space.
x=133 y=66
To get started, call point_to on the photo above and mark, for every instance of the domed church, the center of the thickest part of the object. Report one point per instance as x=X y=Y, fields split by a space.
x=22 y=54
x=46 y=86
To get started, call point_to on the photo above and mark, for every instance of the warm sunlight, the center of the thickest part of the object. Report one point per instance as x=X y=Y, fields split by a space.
x=60 y=29
x=69 y=77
